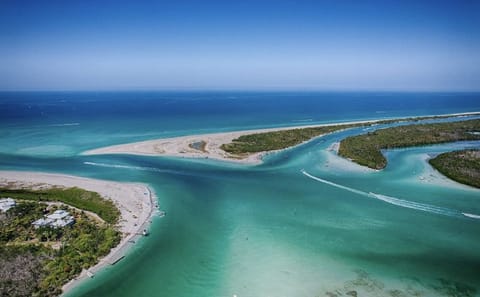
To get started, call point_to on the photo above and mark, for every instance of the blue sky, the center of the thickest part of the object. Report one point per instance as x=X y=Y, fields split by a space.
x=293 y=45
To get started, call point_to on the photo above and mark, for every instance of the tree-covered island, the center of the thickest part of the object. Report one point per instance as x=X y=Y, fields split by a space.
x=282 y=139
x=366 y=149
x=462 y=166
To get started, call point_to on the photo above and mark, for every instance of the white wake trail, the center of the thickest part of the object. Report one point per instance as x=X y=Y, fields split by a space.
x=397 y=201
x=417 y=206
x=334 y=184
x=470 y=215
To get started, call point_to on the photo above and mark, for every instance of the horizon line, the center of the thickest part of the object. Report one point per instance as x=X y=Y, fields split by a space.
x=284 y=90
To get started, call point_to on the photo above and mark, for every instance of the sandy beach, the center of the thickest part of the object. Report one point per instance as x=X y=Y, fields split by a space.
x=185 y=146
x=135 y=201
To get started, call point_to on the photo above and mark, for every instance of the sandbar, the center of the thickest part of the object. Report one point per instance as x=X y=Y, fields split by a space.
x=182 y=146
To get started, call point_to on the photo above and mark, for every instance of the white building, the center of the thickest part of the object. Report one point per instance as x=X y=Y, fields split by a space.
x=58 y=215
x=59 y=219
x=43 y=222
x=6 y=204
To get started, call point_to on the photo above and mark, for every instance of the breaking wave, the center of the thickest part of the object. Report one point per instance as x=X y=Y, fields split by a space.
x=303 y=120
x=64 y=125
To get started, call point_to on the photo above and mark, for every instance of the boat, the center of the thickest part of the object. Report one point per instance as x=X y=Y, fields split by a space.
x=144 y=233
x=90 y=274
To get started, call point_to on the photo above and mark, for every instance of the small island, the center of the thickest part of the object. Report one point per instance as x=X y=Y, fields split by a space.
x=462 y=166
x=286 y=138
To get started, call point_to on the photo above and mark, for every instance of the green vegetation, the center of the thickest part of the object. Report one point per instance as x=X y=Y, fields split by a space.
x=365 y=149
x=81 y=247
x=16 y=223
x=461 y=166
x=276 y=140
x=79 y=198
x=21 y=269
x=38 y=262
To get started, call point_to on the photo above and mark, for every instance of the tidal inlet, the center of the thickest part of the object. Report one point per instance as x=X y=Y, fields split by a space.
x=240 y=149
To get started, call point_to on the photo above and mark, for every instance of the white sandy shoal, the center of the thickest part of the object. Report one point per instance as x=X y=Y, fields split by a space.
x=135 y=202
x=334 y=161
x=430 y=175
x=180 y=146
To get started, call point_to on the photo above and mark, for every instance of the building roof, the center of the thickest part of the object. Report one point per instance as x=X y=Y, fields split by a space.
x=6 y=204
x=58 y=214
x=42 y=222
x=62 y=222
x=60 y=218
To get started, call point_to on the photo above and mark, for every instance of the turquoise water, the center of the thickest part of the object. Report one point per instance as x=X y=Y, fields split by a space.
x=302 y=224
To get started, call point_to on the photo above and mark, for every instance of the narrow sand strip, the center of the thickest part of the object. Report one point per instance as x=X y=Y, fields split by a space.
x=135 y=201
x=182 y=146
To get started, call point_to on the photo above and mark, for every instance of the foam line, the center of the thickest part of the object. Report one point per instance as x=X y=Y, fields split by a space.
x=399 y=202
x=153 y=169
x=63 y=125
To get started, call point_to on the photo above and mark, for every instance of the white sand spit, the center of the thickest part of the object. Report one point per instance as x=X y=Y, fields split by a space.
x=182 y=146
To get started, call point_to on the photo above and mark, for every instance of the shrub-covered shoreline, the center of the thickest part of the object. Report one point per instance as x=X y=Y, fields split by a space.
x=366 y=149
x=285 y=138
x=46 y=258
x=461 y=166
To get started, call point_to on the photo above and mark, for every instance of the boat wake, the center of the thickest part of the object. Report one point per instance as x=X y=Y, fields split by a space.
x=334 y=184
x=399 y=202
x=418 y=206
x=473 y=216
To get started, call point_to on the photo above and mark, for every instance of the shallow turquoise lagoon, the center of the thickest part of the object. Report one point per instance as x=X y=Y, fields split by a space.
x=273 y=231
x=304 y=223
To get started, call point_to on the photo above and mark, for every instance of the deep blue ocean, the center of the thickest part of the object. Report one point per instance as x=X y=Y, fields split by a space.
x=65 y=123
x=275 y=229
